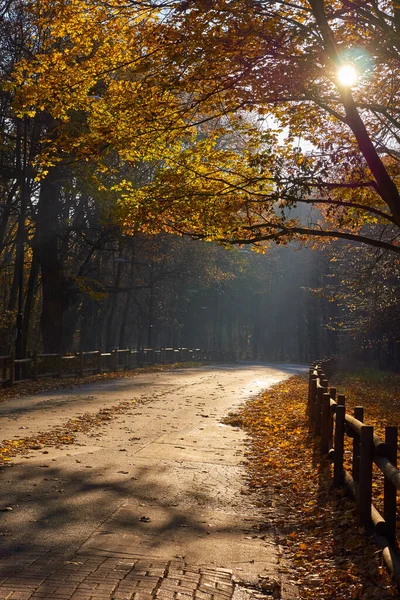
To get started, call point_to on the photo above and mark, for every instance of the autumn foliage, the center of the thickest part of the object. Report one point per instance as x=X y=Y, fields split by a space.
x=214 y=119
x=234 y=110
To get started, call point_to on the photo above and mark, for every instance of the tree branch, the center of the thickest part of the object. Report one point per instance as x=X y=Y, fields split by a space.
x=281 y=231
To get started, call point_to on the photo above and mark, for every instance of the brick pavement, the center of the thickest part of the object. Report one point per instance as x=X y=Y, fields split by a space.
x=38 y=576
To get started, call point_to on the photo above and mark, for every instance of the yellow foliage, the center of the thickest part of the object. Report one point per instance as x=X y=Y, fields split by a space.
x=316 y=524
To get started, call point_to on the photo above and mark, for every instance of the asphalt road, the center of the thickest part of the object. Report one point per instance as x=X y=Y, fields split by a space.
x=164 y=476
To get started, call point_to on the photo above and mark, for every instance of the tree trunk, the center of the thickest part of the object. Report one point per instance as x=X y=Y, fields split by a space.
x=56 y=291
x=124 y=341
x=111 y=335
x=6 y=213
x=29 y=302
x=386 y=187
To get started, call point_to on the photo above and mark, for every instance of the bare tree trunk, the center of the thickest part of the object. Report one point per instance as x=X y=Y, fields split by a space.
x=150 y=323
x=123 y=338
x=29 y=302
x=6 y=213
x=55 y=285
x=111 y=337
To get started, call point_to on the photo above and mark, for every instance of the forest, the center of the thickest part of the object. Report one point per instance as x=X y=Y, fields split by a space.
x=198 y=174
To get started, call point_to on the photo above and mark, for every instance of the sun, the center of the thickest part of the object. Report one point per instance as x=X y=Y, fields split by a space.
x=347 y=75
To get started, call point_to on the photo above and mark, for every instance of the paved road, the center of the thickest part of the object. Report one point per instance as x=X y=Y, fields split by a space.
x=153 y=502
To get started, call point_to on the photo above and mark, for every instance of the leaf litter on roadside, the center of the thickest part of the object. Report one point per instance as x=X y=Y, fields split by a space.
x=62 y=435
x=317 y=524
x=28 y=387
x=67 y=434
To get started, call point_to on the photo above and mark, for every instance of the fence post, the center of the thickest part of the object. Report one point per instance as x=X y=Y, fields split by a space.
x=318 y=407
x=309 y=400
x=310 y=374
x=338 y=474
x=341 y=400
x=12 y=368
x=325 y=418
x=98 y=362
x=365 y=474
x=313 y=401
x=81 y=364
x=35 y=365
x=332 y=393
x=317 y=414
x=114 y=359
x=359 y=415
x=152 y=356
x=389 y=503
x=59 y=363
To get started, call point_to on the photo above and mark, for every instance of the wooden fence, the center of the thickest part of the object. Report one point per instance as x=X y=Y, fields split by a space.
x=37 y=365
x=331 y=424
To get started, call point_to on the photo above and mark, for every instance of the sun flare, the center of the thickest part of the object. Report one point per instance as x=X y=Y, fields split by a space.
x=347 y=75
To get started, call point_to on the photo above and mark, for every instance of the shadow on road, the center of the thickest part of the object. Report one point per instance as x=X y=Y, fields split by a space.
x=54 y=508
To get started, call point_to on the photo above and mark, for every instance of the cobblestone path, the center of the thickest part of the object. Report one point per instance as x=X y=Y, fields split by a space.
x=90 y=577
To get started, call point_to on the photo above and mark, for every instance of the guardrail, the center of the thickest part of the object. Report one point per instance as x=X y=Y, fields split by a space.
x=332 y=425
x=36 y=365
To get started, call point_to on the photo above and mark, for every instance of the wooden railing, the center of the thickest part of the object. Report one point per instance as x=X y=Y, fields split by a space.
x=37 y=365
x=330 y=424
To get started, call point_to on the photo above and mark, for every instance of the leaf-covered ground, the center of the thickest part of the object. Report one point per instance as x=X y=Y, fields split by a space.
x=377 y=392
x=28 y=387
x=62 y=435
x=67 y=433
x=317 y=524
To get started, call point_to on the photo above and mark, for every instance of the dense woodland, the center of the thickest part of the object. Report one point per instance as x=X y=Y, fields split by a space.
x=143 y=158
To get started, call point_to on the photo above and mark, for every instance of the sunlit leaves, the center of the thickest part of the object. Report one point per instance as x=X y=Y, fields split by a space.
x=316 y=524
x=122 y=84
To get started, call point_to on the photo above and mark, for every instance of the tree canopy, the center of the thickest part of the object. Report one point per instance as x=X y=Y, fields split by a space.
x=235 y=109
x=337 y=147
x=215 y=119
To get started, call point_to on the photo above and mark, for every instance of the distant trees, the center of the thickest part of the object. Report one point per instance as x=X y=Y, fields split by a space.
x=364 y=289
x=163 y=290
x=183 y=293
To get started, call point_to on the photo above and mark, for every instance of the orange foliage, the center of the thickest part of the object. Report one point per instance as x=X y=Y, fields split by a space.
x=317 y=525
